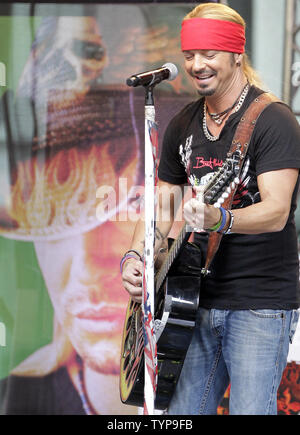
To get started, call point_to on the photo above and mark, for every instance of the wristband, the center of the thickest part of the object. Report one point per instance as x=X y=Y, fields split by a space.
x=223 y=222
x=135 y=252
x=125 y=258
x=218 y=224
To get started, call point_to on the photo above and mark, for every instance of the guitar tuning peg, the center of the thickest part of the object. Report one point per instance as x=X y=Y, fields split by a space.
x=228 y=190
x=225 y=195
x=232 y=185
x=220 y=200
x=237 y=180
x=217 y=205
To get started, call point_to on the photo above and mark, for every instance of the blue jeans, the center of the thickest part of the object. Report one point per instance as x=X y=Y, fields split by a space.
x=247 y=349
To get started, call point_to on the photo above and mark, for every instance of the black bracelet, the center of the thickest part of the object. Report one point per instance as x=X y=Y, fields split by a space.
x=136 y=252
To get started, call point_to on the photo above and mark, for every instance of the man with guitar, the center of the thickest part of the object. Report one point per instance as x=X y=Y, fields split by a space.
x=249 y=291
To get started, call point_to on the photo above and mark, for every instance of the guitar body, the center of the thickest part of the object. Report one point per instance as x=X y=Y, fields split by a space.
x=176 y=304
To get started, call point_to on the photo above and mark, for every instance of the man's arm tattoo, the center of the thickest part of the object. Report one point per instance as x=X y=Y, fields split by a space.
x=158 y=234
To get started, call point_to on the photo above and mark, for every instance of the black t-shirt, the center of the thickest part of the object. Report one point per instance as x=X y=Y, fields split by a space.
x=53 y=394
x=248 y=271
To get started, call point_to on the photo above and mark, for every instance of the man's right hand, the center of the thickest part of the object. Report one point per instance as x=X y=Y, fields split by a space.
x=132 y=276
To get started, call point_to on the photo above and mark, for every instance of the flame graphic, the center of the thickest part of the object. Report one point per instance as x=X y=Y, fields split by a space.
x=57 y=198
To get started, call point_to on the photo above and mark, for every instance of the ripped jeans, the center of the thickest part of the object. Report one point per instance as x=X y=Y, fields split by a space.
x=246 y=348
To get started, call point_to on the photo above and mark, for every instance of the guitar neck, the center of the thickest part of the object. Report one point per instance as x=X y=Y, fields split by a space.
x=176 y=246
x=172 y=254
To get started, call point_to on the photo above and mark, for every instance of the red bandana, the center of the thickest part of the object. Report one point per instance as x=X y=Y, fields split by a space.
x=210 y=34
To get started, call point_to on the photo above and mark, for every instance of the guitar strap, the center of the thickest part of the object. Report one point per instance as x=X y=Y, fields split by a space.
x=239 y=143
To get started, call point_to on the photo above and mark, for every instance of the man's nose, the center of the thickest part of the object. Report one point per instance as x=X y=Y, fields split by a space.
x=199 y=63
x=82 y=271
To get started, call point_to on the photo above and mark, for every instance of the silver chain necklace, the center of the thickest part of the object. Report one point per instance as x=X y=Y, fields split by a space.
x=237 y=107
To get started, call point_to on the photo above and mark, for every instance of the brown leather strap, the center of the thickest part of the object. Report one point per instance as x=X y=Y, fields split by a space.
x=240 y=142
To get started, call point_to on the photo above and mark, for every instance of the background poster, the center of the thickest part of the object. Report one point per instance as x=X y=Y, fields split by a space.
x=71 y=160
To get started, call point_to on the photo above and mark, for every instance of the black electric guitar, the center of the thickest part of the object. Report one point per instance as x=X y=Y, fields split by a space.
x=177 y=290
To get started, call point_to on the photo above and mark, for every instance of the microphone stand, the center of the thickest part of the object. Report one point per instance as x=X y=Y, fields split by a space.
x=150 y=349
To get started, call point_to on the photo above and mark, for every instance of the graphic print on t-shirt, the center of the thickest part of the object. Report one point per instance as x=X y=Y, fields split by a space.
x=185 y=154
x=211 y=163
x=247 y=191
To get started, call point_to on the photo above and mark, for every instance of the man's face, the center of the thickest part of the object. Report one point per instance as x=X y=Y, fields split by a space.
x=212 y=72
x=80 y=42
x=70 y=61
x=84 y=284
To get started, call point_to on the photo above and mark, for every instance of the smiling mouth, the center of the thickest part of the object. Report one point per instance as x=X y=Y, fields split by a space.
x=204 y=77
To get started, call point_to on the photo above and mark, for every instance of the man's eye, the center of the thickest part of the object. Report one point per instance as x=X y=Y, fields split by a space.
x=210 y=55
x=88 y=50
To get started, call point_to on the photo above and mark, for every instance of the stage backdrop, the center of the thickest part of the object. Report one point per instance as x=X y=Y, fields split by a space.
x=72 y=175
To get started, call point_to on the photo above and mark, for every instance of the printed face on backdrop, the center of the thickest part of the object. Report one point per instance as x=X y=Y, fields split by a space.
x=89 y=143
x=86 y=137
x=68 y=54
x=83 y=280
x=82 y=272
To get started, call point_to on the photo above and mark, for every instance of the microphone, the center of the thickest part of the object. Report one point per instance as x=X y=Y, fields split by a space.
x=168 y=71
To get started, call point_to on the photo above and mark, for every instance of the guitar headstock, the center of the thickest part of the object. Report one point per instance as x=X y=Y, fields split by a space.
x=224 y=181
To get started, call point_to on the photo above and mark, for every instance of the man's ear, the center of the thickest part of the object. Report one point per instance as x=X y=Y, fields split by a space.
x=238 y=59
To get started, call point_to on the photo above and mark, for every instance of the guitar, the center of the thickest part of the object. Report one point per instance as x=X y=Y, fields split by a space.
x=177 y=291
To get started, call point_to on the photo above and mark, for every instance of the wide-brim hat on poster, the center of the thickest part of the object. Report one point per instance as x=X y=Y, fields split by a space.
x=58 y=154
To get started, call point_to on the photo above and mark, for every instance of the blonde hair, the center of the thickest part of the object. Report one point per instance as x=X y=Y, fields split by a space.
x=219 y=11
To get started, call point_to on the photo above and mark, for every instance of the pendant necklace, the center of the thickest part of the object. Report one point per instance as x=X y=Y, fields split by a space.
x=219 y=117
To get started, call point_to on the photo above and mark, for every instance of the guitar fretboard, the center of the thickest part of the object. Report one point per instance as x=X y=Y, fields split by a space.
x=172 y=254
